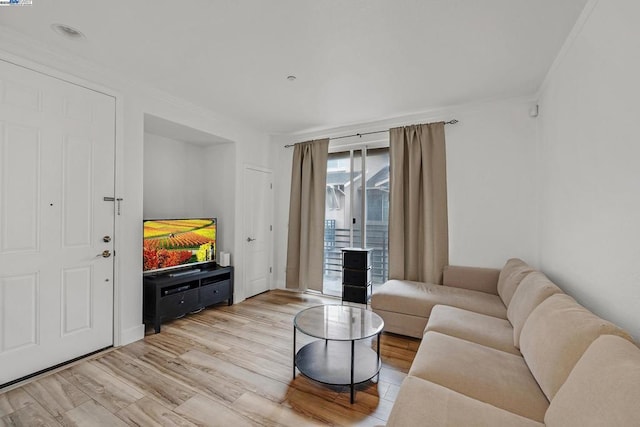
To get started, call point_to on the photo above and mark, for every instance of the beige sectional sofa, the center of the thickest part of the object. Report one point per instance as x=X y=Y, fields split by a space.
x=509 y=348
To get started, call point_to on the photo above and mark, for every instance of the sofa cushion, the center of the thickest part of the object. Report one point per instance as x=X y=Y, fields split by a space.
x=602 y=390
x=555 y=336
x=417 y=299
x=424 y=403
x=510 y=277
x=403 y=324
x=472 y=278
x=533 y=289
x=492 y=376
x=475 y=327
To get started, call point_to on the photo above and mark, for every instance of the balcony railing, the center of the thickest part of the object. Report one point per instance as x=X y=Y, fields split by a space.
x=337 y=238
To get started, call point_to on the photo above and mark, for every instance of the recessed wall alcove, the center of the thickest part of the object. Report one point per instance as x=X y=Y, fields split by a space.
x=189 y=173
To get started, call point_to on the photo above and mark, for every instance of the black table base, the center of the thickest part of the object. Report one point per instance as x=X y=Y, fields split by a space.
x=337 y=362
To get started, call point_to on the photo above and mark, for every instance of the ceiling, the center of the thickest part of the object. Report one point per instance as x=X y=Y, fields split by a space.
x=168 y=129
x=355 y=61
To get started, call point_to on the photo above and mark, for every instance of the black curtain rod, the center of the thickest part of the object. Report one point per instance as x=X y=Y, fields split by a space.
x=450 y=122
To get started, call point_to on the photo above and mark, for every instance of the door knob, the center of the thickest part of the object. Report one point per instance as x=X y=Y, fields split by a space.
x=104 y=254
x=249 y=239
x=106 y=239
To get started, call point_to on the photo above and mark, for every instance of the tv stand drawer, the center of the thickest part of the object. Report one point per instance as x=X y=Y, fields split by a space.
x=178 y=304
x=215 y=293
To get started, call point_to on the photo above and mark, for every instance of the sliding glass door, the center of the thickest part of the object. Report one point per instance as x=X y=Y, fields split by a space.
x=356 y=212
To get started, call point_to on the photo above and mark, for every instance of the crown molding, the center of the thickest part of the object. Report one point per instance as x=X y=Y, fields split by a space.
x=567 y=45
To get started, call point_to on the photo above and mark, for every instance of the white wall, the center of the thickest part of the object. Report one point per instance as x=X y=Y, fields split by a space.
x=174 y=178
x=590 y=153
x=491 y=181
x=491 y=158
x=220 y=192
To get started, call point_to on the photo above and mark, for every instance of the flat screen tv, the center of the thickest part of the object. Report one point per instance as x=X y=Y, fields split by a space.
x=178 y=243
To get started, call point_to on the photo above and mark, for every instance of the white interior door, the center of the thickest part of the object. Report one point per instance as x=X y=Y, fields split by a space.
x=258 y=220
x=57 y=144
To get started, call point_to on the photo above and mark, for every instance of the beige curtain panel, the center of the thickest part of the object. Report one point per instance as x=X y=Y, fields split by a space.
x=305 y=249
x=418 y=226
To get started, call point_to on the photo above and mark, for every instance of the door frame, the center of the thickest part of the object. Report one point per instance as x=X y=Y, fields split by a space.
x=246 y=167
x=23 y=62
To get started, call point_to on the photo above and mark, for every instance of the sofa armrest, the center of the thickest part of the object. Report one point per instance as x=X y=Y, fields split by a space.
x=472 y=278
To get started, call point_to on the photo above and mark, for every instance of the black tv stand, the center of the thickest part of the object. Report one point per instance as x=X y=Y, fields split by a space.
x=172 y=295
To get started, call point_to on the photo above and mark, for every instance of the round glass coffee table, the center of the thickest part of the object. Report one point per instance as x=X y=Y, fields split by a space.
x=339 y=357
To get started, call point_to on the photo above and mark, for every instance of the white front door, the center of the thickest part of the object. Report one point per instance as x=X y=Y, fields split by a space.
x=258 y=220
x=57 y=145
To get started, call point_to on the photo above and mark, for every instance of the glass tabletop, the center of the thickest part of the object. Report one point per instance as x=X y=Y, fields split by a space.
x=338 y=322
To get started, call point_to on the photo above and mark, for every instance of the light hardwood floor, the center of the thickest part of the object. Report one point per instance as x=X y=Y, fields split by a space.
x=227 y=366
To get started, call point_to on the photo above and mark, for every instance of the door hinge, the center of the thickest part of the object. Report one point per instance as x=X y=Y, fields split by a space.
x=271 y=228
x=270 y=270
x=271 y=185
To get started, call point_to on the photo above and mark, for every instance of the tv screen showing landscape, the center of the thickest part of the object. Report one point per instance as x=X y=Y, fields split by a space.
x=174 y=243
